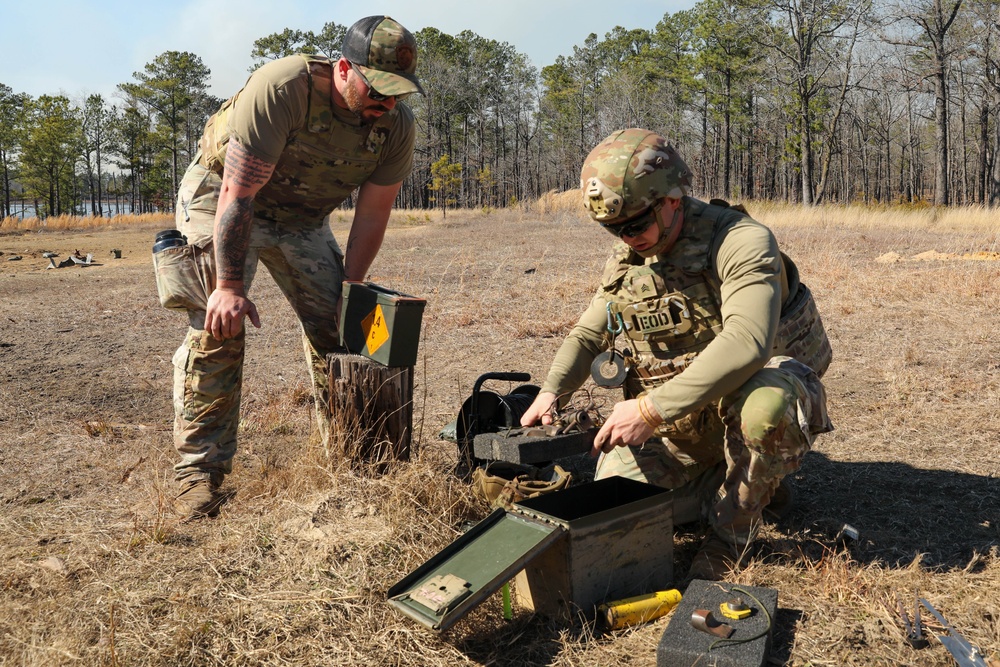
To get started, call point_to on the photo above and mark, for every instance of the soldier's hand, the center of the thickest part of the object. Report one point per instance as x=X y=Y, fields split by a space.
x=624 y=427
x=539 y=410
x=225 y=312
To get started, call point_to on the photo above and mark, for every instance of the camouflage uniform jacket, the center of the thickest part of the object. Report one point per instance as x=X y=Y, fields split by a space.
x=699 y=320
x=324 y=157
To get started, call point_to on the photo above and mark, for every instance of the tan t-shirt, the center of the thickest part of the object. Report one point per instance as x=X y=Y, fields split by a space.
x=271 y=108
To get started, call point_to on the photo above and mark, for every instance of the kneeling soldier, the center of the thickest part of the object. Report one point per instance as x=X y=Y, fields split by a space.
x=724 y=347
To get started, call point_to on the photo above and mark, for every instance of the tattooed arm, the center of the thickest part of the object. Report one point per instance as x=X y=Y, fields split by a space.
x=243 y=177
x=370 y=218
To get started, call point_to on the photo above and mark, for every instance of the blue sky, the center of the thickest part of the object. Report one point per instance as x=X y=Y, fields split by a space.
x=78 y=47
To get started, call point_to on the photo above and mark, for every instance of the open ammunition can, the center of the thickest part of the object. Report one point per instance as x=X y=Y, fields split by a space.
x=570 y=551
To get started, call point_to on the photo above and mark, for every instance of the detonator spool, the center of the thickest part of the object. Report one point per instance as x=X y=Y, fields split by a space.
x=168 y=238
x=489 y=412
x=609 y=369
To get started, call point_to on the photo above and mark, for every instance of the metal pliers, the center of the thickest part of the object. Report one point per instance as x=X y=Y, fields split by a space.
x=914 y=629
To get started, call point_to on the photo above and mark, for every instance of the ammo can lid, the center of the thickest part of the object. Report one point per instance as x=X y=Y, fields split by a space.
x=381 y=294
x=457 y=579
x=441 y=591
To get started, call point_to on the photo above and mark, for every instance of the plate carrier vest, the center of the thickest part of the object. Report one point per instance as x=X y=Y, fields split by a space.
x=322 y=163
x=671 y=310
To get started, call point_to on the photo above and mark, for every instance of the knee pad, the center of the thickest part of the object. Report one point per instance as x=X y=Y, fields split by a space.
x=764 y=412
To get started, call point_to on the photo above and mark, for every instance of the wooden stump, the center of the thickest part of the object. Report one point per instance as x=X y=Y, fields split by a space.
x=371 y=408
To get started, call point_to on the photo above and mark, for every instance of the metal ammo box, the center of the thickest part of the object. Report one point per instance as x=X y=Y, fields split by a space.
x=380 y=324
x=571 y=550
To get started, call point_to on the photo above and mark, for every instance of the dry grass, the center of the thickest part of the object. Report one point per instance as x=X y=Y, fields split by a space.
x=958 y=219
x=295 y=569
x=75 y=222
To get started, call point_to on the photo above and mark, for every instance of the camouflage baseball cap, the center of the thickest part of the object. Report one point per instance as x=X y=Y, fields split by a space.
x=385 y=53
x=629 y=172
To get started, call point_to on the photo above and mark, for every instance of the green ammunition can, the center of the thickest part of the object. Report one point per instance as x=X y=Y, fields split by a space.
x=380 y=324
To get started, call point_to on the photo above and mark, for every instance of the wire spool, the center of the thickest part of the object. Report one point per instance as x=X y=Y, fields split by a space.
x=608 y=369
x=489 y=412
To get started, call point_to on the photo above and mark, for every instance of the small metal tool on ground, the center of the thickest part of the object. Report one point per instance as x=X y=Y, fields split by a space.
x=914 y=629
x=965 y=654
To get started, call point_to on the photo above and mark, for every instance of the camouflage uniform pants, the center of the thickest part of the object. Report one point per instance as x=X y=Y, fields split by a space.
x=307 y=266
x=769 y=424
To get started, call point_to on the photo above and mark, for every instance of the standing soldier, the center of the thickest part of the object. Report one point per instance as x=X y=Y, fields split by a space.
x=273 y=162
x=724 y=347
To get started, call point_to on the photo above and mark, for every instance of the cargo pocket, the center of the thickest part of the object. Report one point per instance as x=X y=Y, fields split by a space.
x=185 y=276
x=207 y=379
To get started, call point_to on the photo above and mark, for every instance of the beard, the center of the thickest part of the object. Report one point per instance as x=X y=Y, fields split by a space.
x=356 y=105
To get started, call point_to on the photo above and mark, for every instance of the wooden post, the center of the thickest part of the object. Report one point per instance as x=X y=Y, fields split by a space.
x=371 y=408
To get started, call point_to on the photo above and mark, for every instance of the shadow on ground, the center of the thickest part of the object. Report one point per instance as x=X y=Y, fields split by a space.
x=899 y=511
x=528 y=640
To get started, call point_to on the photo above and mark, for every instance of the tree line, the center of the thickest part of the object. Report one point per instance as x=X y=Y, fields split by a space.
x=871 y=101
x=100 y=158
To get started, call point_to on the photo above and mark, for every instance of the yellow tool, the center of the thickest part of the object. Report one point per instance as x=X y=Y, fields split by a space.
x=735 y=609
x=639 y=609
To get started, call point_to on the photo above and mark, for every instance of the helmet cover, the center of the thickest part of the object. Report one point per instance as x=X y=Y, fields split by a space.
x=629 y=172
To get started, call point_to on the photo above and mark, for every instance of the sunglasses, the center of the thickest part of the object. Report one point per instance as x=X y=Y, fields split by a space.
x=633 y=227
x=373 y=94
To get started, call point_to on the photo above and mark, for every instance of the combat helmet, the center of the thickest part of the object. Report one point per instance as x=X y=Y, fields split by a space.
x=628 y=174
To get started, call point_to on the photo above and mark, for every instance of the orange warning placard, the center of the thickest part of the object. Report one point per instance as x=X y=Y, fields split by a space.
x=376 y=331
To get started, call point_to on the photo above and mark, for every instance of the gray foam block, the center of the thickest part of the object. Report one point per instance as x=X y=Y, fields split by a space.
x=515 y=448
x=683 y=646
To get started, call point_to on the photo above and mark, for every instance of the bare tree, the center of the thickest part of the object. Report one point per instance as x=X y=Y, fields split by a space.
x=804 y=30
x=933 y=19
x=96 y=118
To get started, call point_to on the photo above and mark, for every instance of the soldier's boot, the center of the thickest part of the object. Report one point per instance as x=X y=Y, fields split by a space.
x=716 y=560
x=200 y=498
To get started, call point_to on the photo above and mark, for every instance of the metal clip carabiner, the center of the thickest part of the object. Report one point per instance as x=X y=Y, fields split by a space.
x=614 y=331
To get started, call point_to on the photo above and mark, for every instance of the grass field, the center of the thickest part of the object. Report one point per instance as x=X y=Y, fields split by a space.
x=96 y=570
